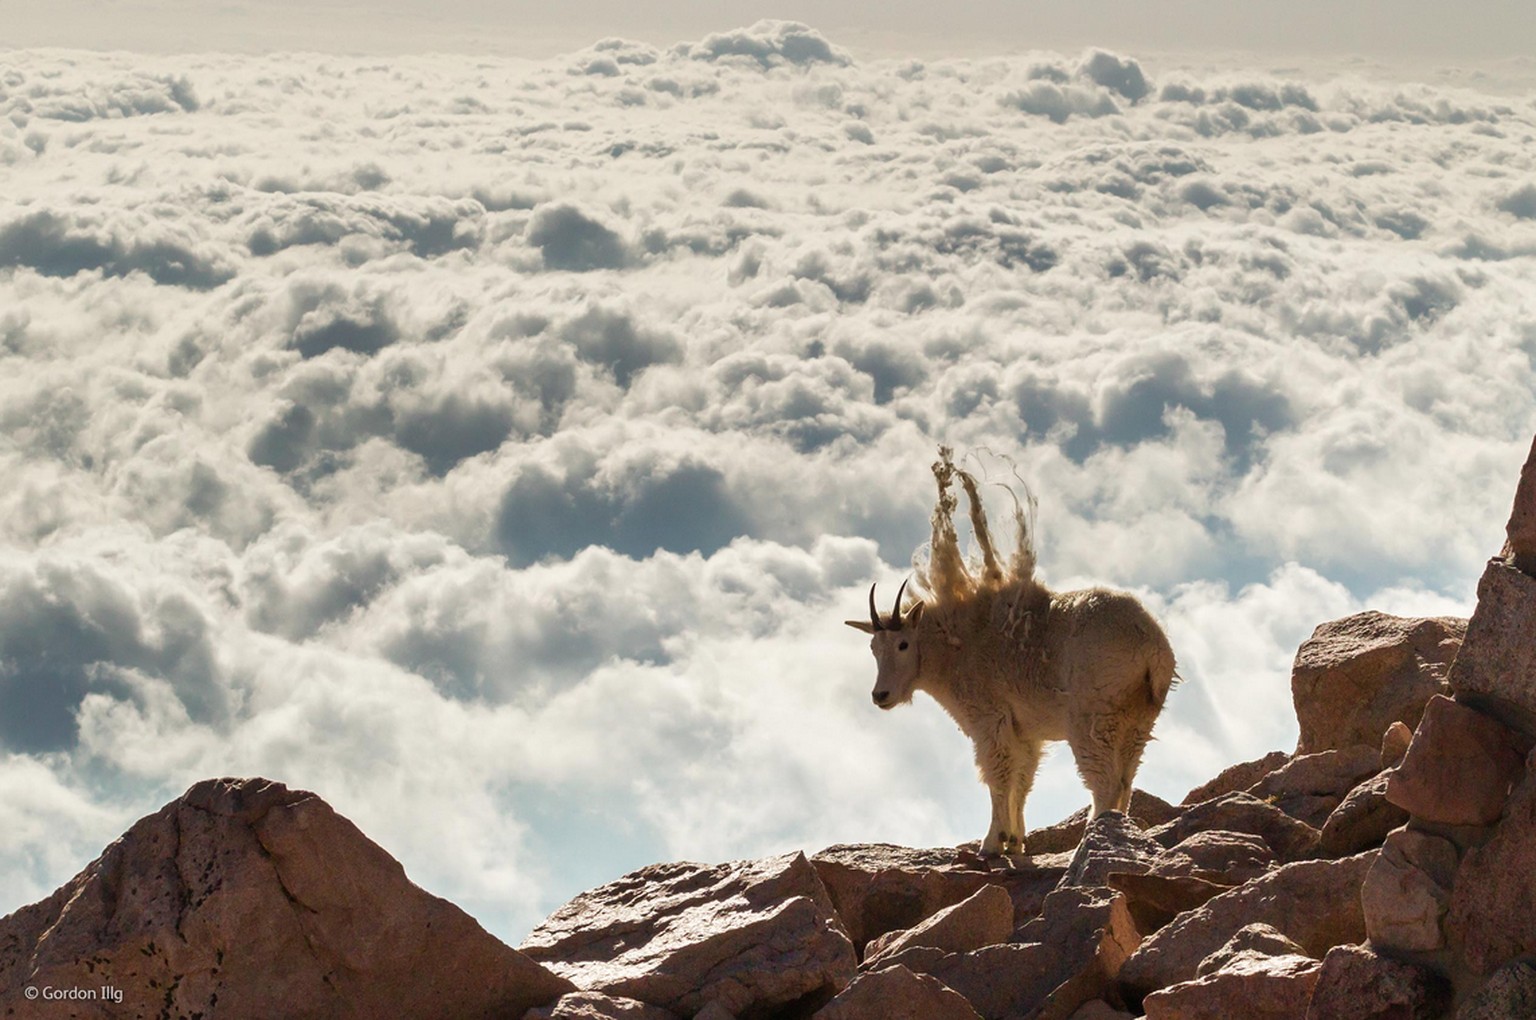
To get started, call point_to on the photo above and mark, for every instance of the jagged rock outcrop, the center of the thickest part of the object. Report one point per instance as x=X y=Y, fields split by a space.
x=244 y=898
x=985 y=918
x=880 y=888
x=1314 y=903
x=749 y=937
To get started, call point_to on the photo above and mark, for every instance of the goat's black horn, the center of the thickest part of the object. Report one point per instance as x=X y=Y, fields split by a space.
x=896 y=620
x=874 y=614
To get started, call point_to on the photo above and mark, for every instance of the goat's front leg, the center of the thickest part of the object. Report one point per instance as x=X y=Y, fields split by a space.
x=1000 y=767
x=1026 y=761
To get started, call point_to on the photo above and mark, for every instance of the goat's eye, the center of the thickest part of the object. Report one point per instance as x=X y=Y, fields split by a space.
x=901 y=647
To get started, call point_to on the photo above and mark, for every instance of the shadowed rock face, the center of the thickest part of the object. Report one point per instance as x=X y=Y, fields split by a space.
x=258 y=900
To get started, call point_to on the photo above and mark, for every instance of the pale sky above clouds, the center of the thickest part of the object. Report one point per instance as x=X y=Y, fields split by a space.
x=1391 y=30
x=495 y=446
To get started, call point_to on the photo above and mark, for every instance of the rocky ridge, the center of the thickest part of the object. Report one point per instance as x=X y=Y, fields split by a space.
x=1385 y=869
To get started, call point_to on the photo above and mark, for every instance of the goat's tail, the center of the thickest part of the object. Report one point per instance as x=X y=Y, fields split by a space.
x=1162 y=675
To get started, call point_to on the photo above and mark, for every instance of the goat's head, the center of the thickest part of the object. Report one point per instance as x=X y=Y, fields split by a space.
x=894 y=642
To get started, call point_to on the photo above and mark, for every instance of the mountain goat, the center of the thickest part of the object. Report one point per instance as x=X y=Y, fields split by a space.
x=1017 y=665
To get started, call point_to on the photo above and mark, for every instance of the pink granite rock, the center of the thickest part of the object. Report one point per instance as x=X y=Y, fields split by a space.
x=879 y=888
x=1407 y=890
x=260 y=901
x=1493 y=903
x=1358 y=984
x=1155 y=899
x=1509 y=993
x=1460 y=767
x=1353 y=677
x=1066 y=957
x=1098 y=1009
x=597 y=1006
x=1261 y=939
x=1316 y=903
x=1310 y=786
x=1112 y=843
x=984 y=918
x=895 y=993
x=748 y=936
x=1288 y=838
x=1496 y=670
x=1520 y=532
x=1251 y=985
x=1394 y=743
x=1236 y=777
x=1362 y=819
x=1216 y=855
x=1147 y=810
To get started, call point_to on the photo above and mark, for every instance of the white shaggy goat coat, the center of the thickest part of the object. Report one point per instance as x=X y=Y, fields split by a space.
x=1017 y=665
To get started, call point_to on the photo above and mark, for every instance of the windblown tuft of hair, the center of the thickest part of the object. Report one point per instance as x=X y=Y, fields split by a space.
x=963 y=591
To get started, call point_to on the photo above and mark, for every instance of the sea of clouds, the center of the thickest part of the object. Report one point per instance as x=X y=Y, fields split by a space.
x=495 y=447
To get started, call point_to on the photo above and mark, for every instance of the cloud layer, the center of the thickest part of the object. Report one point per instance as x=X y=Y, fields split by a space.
x=495 y=447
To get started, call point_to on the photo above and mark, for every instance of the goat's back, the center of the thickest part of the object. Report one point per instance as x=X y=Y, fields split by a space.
x=1105 y=641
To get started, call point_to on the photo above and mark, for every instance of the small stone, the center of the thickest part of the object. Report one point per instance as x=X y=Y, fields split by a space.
x=1459 y=768
x=1098 y=1009
x=1407 y=891
x=1394 y=743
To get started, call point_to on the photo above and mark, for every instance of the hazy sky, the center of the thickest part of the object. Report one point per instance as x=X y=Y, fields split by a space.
x=1395 y=30
x=496 y=446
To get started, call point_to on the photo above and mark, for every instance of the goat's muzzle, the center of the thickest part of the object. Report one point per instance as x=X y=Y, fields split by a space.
x=881 y=698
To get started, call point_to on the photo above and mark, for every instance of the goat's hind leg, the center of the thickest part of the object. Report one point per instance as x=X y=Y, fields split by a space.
x=1099 y=751
x=1133 y=743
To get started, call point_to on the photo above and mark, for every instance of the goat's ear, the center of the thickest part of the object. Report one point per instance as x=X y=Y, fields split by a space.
x=863 y=625
x=913 y=614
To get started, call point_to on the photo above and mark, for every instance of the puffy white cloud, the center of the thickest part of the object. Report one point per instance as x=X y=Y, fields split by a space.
x=496 y=447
